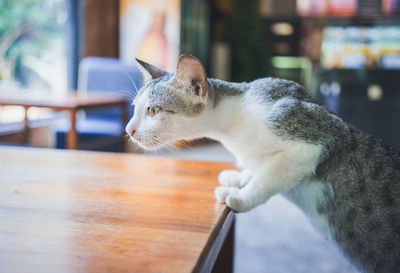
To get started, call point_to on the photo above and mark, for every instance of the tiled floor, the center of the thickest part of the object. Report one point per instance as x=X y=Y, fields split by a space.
x=275 y=237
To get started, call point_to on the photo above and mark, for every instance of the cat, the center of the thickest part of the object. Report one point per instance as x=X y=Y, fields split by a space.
x=346 y=182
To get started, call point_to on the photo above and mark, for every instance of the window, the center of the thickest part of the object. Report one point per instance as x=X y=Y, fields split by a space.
x=32 y=48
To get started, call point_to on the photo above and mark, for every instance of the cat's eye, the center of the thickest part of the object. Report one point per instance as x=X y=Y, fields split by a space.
x=152 y=111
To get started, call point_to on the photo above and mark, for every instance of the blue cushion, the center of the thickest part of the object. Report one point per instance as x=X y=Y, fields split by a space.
x=85 y=141
x=94 y=126
x=108 y=75
x=97 y=74
x=91 y=131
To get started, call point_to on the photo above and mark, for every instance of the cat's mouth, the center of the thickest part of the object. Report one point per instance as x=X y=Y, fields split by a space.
x=149 y=142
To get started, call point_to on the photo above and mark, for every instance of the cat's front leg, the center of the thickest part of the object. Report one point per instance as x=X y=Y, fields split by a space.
x=252 y=195
x=234 y=178
x=277 y=173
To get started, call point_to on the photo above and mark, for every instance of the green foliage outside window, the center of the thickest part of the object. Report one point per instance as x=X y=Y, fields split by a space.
x=32 y=50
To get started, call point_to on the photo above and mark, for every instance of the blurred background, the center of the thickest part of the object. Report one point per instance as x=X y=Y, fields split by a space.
x=346 y=52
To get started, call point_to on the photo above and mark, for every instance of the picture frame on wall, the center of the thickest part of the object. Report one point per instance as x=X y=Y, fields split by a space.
x=150 y=31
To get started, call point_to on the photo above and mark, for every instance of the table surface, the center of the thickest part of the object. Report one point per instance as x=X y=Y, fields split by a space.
x=70 y=100
x=74 y=211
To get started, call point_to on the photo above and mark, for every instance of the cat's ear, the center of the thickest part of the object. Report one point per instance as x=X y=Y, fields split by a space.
x=190 y=72
x=149 y=71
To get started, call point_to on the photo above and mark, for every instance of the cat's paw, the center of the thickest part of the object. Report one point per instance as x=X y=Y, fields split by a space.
x=236 y=203
x=222 y=192
x=229 y=178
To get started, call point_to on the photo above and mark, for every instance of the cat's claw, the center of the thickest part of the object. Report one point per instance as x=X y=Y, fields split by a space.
x=222 y=192
x=229 y=178
x=236 y=203
x=230 y=196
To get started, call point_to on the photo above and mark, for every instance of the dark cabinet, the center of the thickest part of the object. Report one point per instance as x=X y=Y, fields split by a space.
x=367 y=99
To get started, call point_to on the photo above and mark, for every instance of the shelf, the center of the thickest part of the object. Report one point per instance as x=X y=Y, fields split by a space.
x=363 y=70
x=378 y=19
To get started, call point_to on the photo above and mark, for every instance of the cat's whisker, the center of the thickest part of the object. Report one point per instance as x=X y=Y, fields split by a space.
x=132 y=92
x=127 y=92
x=171 y=147
x=165 y=144
x=184 y=144
x=133 y=83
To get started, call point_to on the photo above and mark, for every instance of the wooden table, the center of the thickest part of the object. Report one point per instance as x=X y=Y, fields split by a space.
x=71 y=102
x=75 y=211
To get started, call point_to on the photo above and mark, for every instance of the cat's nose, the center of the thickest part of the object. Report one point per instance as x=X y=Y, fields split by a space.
x=131 y=132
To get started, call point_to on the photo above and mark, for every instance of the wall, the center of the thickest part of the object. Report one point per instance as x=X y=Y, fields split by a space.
x=100 y=28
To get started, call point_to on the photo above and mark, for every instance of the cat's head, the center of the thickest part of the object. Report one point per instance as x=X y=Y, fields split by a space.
x=169 y=107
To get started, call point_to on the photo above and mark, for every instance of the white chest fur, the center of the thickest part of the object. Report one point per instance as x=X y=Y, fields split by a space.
x=246 y=135
x=251 y=142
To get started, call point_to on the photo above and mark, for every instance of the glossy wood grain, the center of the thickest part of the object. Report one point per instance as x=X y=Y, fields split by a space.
x=70 y=211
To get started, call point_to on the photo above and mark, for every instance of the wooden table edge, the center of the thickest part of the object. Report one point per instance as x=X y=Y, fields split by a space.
x=208 y=257
x=56 y=107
